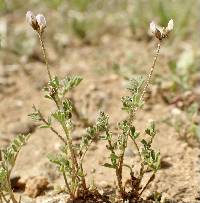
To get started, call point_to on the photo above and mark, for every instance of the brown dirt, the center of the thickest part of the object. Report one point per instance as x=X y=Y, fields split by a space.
x=179 y=177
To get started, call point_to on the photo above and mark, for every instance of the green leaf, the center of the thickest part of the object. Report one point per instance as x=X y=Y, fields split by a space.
x=70 y=83
x=44 y=126
x=113 y=158
x=108 y=165
x=48 y=96
x=144 y=142
x=151 y=131
x=134 y=135
x=102 y=122
x=59 y=116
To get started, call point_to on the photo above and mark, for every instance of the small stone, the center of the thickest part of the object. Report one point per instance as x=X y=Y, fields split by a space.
x=35 y=186
x=19 y=103
x=93 y=170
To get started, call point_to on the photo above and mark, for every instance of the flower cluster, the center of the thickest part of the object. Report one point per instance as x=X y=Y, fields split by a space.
x=161 y=33
x=37 y=22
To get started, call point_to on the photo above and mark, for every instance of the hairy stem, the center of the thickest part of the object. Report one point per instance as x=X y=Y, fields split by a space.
x=119 y=174
x=69 y=143
x=148 y=182
x=132 y=114
x=75 y=164
x=67 y=185
x=130 y=121
x=44 y=54
x=118 y=169
x=151 y=71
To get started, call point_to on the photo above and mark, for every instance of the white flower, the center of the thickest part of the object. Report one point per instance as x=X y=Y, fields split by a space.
x=30 y=18
x=153 y=27
x=155 y=30
x=41 y=21
x=170 y=25
x=161 y=33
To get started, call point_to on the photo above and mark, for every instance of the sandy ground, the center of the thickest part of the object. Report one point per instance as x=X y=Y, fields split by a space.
x=21 y=86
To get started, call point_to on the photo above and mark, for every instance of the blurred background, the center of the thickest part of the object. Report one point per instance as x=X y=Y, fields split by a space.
x=90 y=20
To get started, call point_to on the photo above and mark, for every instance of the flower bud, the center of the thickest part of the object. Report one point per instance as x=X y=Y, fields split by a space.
x=170 y=26
x=161 y=33
x=157 y=33
x=41 y=22
x=153 y=27
x=31 y=19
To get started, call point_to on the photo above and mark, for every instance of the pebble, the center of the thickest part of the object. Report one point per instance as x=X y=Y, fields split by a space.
x=19 y=103
x=93 y=170
x=36 y=185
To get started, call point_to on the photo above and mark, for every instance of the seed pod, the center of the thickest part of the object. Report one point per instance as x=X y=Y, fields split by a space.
x=41 y=22
x=31 y=19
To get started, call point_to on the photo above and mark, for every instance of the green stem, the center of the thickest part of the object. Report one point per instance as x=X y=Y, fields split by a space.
x=118 y=169
x=67 y=185
x=69 y=142
x=74 y=158
x=51 y=128
x=132 y=114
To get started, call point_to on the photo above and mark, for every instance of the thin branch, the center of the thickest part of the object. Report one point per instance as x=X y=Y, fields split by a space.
x=151 y=71
x=51 y=128
x=40 y=34
x=148 y=182
x=67 y=185
x=132 y=115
